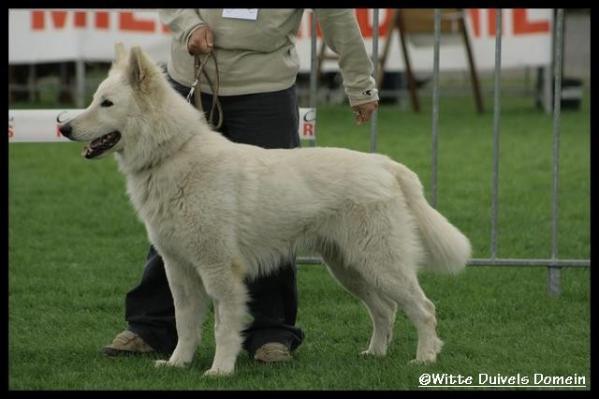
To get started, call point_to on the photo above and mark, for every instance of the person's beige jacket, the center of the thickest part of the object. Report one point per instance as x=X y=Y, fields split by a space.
x=256 y=56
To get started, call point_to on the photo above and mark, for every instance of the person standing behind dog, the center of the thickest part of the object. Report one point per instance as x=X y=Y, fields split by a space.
x=257 y=70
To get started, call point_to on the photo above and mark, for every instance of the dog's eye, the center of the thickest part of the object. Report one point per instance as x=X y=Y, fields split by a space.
x=106 y=103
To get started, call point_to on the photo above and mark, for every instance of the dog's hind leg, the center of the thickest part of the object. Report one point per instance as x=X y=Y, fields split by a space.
x=191 y=305
x=406 y=291
x=380 y=308
x=229 y=294
x=385 y=251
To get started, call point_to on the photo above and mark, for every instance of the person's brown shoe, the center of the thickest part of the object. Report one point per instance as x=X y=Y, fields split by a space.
x=127 y=343
x=273 y=352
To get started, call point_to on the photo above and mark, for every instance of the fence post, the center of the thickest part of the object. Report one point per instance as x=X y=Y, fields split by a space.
x=313 y=69
x=435 y=106
x=554 y=271
x=375 y=62
x=496 y=119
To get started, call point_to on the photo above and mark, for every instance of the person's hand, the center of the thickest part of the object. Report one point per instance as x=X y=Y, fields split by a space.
x=200 y=41
x=363 y=112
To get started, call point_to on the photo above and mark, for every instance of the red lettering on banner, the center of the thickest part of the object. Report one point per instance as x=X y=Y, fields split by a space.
x=492 y=21
x=11 y=128
x=475 y=18
x=522 y=25
x=128 y=21
x=365 y=22
x=318 y=30
x=38 y=20
x=308 y=130
x=59 y=19
x=80 y=19
x=102 y=20
x=58 y=134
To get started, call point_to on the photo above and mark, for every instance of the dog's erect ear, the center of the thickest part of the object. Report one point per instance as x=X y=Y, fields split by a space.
x=141 y=69
x=120 y=53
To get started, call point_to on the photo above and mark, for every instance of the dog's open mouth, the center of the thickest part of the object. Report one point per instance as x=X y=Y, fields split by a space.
x=101 y=145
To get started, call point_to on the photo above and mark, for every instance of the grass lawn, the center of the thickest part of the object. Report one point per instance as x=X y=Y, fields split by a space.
x=76 y=248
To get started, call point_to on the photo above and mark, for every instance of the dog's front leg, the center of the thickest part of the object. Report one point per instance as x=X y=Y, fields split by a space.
x=191 y=304
x=230 y=296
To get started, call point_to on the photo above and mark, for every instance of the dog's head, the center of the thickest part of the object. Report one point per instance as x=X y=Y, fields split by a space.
x=119 y=100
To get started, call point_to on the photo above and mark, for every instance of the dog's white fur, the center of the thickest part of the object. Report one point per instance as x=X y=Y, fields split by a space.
x=219 y=212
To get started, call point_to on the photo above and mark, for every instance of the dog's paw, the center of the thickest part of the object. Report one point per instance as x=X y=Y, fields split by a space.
x=371 y=353
x=161 y=363
x=424 y=360
x=217 y=373
x=416 y=362
x=427 y=351
x=168 y=363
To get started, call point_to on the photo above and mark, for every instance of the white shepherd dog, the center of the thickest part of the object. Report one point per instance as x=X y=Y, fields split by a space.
x=220 y=212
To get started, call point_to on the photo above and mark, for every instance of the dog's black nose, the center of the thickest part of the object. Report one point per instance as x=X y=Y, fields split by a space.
x=66 y=130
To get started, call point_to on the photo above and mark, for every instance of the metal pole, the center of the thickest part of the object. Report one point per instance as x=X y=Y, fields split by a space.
x=375 y=62
x=549 y=71
x=80 y=81
x=313 y=68
x=497 y=262
x=554 y=272
x=496 y=89
x=547 y=75
x=435 y=106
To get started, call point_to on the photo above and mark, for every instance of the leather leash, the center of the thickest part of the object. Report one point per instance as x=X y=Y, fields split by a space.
x=199 y=65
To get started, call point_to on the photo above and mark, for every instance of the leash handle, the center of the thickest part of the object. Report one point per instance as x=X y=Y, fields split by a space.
x=199 y=71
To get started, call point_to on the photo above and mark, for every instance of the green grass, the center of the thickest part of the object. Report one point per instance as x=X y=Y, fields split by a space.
x=76 y=248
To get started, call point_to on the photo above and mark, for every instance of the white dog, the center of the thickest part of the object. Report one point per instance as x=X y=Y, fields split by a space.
x=220 y=212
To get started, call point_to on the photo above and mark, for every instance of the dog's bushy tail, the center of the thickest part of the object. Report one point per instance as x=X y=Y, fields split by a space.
x=447 y=249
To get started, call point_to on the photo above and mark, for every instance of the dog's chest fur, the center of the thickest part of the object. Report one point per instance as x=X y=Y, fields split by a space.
x=153 y=196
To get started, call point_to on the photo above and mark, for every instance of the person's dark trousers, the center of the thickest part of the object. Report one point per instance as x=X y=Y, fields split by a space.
x=269 y=120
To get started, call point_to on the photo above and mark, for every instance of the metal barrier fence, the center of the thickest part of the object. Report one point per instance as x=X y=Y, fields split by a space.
x=553 y=264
